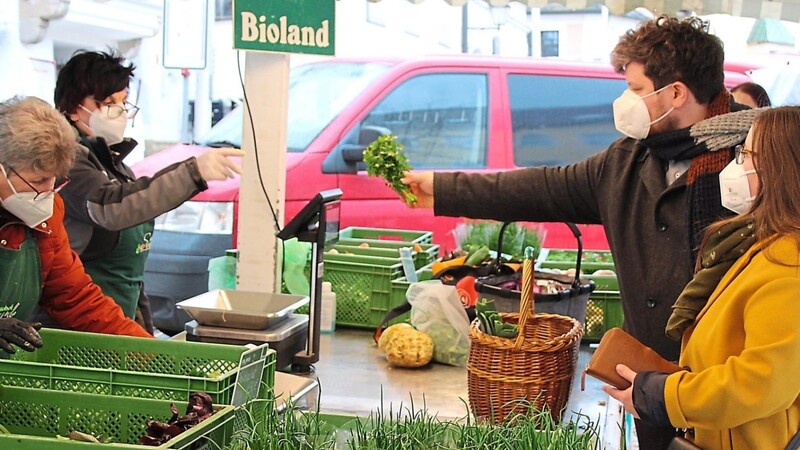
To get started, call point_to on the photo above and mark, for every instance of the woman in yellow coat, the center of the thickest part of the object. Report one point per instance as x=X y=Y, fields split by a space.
x=741 y=345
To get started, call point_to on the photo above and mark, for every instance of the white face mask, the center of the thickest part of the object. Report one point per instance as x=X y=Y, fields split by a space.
x=734 y=188
x=112 y=130
x=25 y=208
x=631 y=116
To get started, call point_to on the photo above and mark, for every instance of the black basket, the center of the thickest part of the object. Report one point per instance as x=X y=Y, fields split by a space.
x=569 y=301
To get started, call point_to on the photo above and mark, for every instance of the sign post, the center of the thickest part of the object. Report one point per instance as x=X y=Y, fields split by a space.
x=269 y=30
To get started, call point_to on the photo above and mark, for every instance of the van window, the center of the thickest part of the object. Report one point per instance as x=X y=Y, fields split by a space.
x=561 y=120
x=317 y=94
x=440 y=118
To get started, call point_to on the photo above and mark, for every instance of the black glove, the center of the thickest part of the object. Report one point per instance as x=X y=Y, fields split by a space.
x=23 y=334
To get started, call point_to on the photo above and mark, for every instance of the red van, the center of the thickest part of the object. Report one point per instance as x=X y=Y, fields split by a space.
x=460 y=112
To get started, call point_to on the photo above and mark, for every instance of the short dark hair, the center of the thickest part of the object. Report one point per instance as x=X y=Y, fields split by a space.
x=87 y=73
x=675 y=50
x=758 y=93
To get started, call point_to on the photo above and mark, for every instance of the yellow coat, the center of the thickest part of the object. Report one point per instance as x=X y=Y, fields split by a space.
x=744 y=356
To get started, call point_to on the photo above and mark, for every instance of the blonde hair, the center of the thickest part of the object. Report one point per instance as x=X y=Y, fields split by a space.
x=33 y=135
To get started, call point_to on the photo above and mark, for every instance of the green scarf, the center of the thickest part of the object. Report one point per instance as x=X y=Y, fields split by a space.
x=719 y=253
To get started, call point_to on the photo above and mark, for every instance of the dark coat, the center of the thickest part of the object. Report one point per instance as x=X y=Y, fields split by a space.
x=623 y=188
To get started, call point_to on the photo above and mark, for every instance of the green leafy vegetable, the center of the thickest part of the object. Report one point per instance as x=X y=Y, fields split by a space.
x=385 y=159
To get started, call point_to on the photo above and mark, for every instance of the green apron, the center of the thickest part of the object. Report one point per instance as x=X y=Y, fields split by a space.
x=20 y=279
x=120 y=272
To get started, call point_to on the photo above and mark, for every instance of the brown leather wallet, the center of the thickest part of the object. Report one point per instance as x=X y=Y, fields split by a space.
x=619 y=347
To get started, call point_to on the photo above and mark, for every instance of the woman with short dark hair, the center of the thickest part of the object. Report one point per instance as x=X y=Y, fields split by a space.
x=110 y=211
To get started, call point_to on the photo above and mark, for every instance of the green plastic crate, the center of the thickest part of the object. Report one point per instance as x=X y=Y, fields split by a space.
x=390 y=249
x=565 y=259
x=603 y=312
x=35 y=417
x=603 y=282
x=387 y=234
x=132 y=367
x=363 y=287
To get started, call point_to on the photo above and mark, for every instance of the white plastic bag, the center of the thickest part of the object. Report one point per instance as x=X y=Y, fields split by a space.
x=437 y=311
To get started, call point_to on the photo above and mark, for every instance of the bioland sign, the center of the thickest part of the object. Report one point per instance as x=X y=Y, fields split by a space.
x=289 y=26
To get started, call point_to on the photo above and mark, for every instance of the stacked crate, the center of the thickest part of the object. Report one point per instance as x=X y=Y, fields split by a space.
x=109 y=386
x=363 y=267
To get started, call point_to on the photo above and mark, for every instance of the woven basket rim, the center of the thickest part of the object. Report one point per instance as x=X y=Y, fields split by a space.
x=530 y=345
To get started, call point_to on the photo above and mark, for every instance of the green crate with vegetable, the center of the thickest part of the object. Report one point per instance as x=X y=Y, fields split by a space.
x=386 y=234
x=424 y=254
x=363 y=287
x=603 y=312
x=133 y=367
x=591 y=260
x=35 y=418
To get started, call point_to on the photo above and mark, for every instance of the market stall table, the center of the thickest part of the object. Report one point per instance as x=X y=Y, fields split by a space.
x=354 y=378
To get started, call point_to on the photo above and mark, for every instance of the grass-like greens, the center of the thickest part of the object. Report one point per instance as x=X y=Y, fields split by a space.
x=407 y=428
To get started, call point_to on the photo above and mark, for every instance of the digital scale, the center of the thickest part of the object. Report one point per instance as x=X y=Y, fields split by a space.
x=242 y=317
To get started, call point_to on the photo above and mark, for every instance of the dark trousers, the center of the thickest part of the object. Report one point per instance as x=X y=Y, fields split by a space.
x=653 y=437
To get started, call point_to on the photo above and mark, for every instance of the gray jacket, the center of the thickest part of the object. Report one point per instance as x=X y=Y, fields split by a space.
x=623 y=188
x=104 y=196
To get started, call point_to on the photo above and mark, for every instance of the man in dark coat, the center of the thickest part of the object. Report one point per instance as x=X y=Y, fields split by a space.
x=653 y=191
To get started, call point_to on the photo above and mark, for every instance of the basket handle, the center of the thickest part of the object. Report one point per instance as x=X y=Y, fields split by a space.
x=526 y=303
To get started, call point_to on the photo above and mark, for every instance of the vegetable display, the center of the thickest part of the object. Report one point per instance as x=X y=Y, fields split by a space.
x=198 y=409
x=385 y=159
x=408 y=428
x=491 y=321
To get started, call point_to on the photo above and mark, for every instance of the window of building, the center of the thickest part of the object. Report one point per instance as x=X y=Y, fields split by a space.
x=561 y=120
x=441 y=119
x=549 y=43
x=223 y=10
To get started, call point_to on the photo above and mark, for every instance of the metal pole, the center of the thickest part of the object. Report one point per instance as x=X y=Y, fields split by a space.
x=464 y=28
x=186 y=137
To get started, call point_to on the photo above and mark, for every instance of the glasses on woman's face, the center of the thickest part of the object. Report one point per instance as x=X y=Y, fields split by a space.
x=740 y=153
x=40 y=195
x=114 y=110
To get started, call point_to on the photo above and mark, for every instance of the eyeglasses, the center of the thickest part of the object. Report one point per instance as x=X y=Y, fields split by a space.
x=739 y=153
x=40 y=194
x=114 y=110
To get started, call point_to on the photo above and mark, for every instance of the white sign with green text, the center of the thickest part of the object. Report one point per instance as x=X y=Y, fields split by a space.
x=288 y=26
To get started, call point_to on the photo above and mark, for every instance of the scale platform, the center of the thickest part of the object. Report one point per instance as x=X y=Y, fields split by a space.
x=287 y=337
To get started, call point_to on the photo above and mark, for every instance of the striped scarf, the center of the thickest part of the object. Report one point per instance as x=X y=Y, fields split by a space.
x=709 y=145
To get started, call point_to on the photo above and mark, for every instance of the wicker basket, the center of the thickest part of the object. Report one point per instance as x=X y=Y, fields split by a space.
x=508 y=376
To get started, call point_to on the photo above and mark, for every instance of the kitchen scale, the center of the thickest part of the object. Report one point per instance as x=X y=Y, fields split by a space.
x=242 y=317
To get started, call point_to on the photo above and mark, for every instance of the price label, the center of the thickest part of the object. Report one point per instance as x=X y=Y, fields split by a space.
x=251 y=370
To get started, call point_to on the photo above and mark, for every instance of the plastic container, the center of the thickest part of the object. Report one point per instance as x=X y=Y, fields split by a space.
x=387 y=234
x=35 y=417
x=327 y=323
x=423 y=254
x=222 y=271
x=127 y=366
x=603 y=312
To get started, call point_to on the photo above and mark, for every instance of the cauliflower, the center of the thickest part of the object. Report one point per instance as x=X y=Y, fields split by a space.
x=408 y=347
x=387 y=334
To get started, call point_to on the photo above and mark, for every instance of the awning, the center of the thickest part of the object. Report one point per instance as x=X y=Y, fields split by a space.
x=783 y=9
